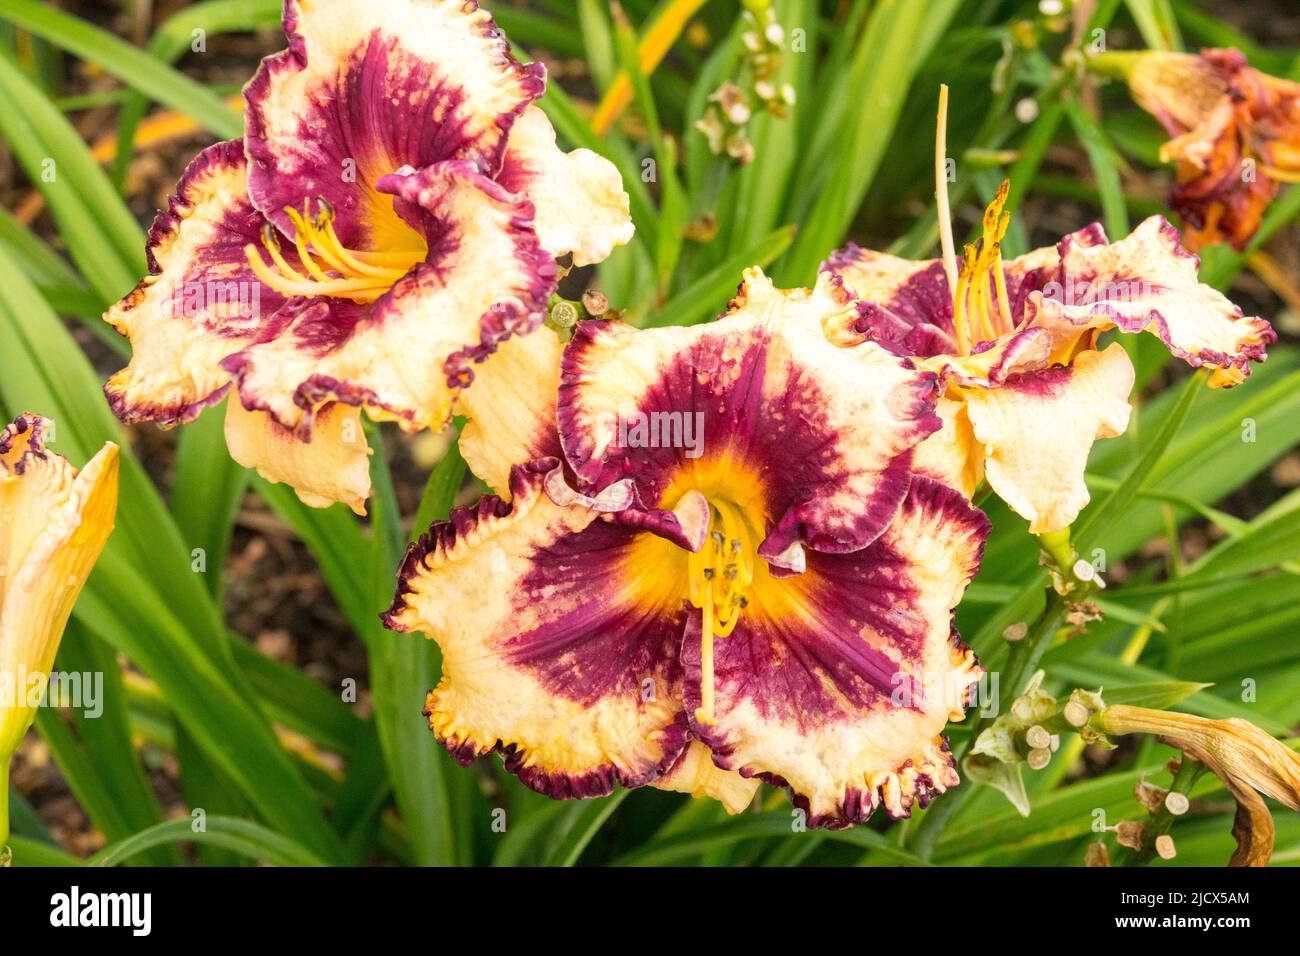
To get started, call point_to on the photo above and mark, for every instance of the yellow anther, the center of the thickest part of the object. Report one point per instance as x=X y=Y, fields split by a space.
x=989 y=315
x=332 y=269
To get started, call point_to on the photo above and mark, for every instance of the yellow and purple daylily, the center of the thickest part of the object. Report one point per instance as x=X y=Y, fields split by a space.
x=1027 y=387
x=707 y=562
x=1234 y=135
x=54 y=522
x=391 y=216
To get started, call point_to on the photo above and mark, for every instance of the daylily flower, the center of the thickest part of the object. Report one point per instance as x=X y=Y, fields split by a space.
x=391 y=216
x=54 y=522
x=722 y=568
x=1235 y=134
x=1015 y=342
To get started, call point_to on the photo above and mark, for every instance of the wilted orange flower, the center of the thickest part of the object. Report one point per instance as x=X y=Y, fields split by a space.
x=1235 y=134
x=1244 y=757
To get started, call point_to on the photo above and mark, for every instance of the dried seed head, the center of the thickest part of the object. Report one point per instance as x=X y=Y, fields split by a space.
x=1177 y=803
x=1075 y=713
x=595 y=302
x=1096 y=855
x=1129 y=833
x=1165 y=847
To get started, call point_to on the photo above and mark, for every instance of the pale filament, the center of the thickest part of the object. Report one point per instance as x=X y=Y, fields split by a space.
x=719 y=575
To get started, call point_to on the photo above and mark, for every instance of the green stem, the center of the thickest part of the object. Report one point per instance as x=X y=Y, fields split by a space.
x=1022 y=661
x=1117 y=65
x=1023 y=658
x=1189 y=771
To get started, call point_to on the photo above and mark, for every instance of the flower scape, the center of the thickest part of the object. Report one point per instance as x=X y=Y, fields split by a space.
x=703 y=500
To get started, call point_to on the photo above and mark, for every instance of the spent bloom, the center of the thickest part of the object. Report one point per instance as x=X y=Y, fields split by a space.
x=754 y=587
x=391 y=215
x=54 y=522
x=1027 y=387
x=1234 y=135
x=1248 y=760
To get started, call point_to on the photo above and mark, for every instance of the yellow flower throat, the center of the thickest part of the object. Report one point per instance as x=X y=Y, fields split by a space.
x=331 y=269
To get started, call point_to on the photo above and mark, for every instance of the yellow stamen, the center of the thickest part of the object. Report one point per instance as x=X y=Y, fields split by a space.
x=271 y=241
x=719 y=577
x=1004 y=304
x=992 y=307
x=332 y=269
x=960 y=318
x=300 y=234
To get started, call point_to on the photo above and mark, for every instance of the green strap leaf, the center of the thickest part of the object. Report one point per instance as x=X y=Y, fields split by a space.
x=132 y=66
x=239 y=836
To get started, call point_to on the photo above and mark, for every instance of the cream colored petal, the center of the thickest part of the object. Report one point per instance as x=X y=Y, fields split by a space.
x=554 y=654
x=579 y=197
x=952 y=455
x=1037 y=430
x=200 y=302
x=511 y=408
x=879 y=277
x=1147 y=282
x=696 y=774
x=333 y=467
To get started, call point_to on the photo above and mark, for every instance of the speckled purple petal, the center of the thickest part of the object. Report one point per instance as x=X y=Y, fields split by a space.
x=366 y=88
x=759 y=405
x=838 y=682
x=547 y=659
x=1148 y=282
x=200 y=302
x=484 y=279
